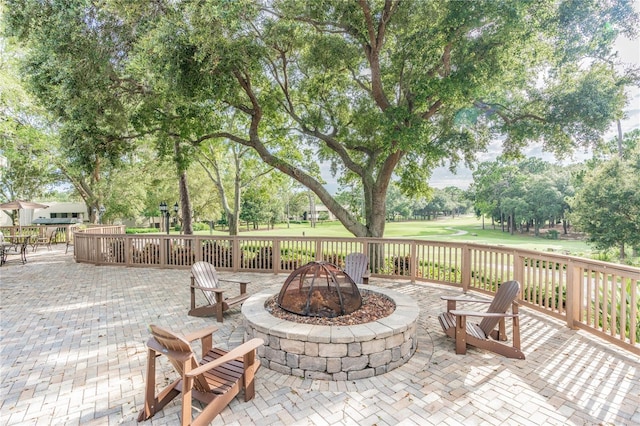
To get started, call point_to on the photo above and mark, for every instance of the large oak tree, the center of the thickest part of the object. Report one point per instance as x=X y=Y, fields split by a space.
x=379 y=89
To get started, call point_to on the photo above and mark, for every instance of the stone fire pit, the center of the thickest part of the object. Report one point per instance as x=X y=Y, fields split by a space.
x=334 y=352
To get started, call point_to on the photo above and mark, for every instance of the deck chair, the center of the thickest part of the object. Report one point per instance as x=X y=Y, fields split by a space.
x=214 y=381
x=47 y=239
x=205 y=277
x=484 y=335
x=356 y=265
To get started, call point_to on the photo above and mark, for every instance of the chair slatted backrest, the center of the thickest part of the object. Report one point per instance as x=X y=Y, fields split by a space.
x=355 y=265
x=506 y=294
x=206 y=276
x=174 y=342
x=50 y=233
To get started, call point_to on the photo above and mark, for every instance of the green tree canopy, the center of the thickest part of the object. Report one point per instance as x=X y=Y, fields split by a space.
x=27 y=141
x=607 y=205
x=376 y=89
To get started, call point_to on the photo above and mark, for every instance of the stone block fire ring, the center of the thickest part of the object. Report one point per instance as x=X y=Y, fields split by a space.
x=334 y=352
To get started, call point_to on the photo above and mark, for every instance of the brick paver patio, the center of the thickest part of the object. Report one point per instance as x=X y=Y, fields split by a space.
x=73 y=352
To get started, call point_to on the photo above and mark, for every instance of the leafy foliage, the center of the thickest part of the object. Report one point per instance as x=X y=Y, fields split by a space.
x=607 y=207
x=378 y=91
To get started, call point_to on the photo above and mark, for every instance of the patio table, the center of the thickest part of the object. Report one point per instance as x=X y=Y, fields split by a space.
x=16 y=244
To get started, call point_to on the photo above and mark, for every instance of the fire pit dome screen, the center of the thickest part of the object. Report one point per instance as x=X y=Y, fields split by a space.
x=319 y=289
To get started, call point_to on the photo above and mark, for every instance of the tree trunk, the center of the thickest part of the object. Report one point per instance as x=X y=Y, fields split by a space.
x=183 y=188
x=234 y=217
x=512 y=219
x=185 y=202
x=375 y=188
x=620 y=149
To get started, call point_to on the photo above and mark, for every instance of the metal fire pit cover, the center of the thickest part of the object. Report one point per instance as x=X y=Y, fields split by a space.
x=319 y=289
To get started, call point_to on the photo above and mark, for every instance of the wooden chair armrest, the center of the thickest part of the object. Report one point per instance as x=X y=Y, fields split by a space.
x=243 y=284
x=233 y=354
x=464 y=299
x=199 y=334
x=215 y=290
x=481 y=314
x=234 y=281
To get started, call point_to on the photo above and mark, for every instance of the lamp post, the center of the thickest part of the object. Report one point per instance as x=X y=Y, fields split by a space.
x=164 y=210
x=165 y=215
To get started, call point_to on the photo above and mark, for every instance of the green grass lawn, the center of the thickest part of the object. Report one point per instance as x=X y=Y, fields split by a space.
x=459 y=229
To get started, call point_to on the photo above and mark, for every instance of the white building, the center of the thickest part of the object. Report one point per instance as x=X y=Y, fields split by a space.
x=69 y=212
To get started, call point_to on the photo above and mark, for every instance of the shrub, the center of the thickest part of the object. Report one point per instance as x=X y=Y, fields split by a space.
x=217 y=254
x=401 y=265
x=116 y=250
x=200 y=226
x=553 y=234
x=181 y=255
x=149 y=255
x=141 y=230
x=262 y=260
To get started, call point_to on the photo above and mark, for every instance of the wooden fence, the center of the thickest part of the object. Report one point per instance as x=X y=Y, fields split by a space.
x=602 y=298
x=64 y=231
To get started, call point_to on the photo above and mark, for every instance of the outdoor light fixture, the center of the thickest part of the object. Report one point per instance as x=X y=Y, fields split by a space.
x=164 y=210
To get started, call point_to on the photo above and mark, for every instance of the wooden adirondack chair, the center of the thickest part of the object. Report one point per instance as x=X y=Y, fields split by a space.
x=214 y=381
x=205 y=277
x=356 y=265
x=483 y=335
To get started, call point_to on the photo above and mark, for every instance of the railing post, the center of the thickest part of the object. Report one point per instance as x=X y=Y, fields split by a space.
x=235 y=254
x=164 y=252
x=128 y=249
x=518 y=271
x=466 y=268
x=97 y=252
x=413 y=262
x=197 y=248
x=318 y=249
x=574 y=280
x=276 y=256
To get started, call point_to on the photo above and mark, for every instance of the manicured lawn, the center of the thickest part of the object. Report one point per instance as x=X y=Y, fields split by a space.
x=459 y=229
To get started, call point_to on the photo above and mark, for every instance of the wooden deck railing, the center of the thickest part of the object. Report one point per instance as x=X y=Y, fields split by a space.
x=602 y=298
x=65 y=231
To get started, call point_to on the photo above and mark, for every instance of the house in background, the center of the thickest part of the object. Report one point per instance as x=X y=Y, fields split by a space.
x=321 y=212
x=57 y=213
